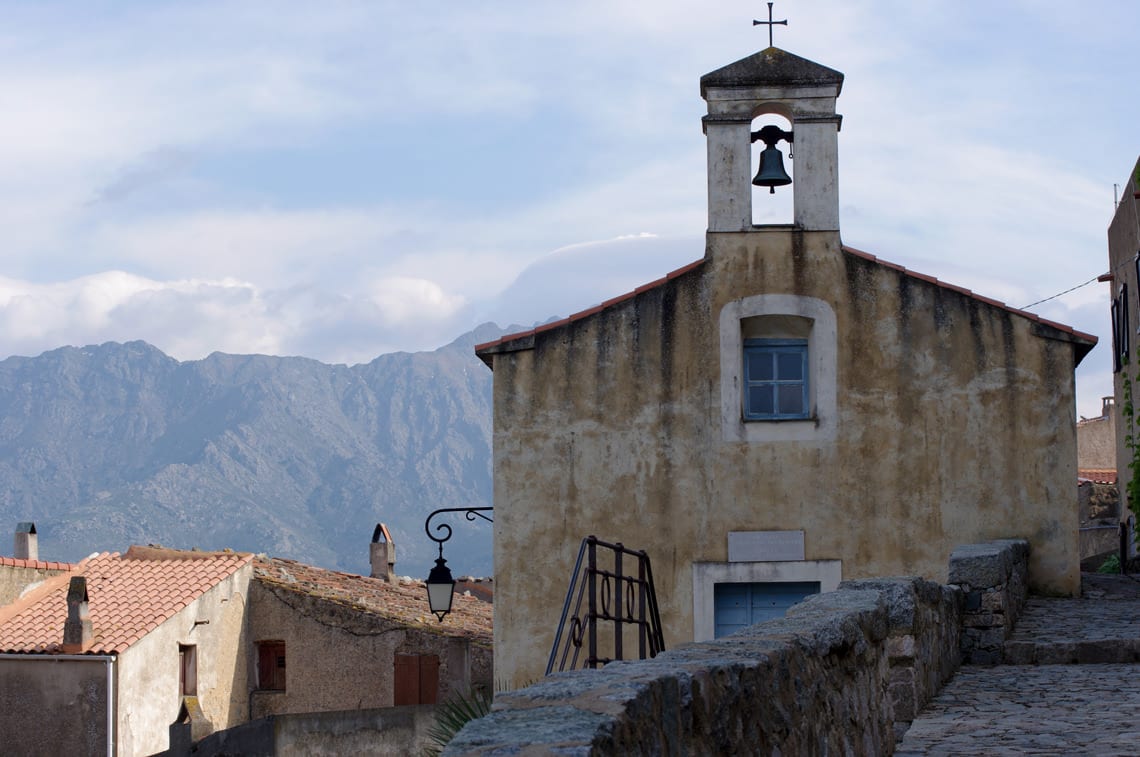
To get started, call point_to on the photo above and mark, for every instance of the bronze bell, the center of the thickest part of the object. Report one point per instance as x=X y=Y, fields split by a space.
x=772 y=173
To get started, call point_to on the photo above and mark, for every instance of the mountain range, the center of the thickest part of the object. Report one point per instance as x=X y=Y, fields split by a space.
x=117 y=444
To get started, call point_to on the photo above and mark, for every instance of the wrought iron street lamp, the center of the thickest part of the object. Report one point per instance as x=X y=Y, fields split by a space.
x=440 y=584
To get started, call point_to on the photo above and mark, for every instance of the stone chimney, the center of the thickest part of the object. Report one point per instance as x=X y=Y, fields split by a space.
x=383 y=554
x=77 y=634
x=26 y=547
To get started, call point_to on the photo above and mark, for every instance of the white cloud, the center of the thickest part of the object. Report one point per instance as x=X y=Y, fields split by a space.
x=982 y=153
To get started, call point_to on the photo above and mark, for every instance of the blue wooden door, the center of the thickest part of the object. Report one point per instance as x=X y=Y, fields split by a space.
x=738 y=606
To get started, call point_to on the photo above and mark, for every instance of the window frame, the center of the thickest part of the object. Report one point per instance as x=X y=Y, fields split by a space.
x=188 y=670
x=823 y=352
x=774 y=347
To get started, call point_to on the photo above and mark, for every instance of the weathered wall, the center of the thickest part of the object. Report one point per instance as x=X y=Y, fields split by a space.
x=342 y=658
x=149 y=697
x=842 y=673
x=53 y=705
x=17 y=575
x=1123 y=243
x=1096 y=442
x=396 y=731
x=955 y=424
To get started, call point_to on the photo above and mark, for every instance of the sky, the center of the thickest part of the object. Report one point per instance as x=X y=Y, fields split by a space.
x=343 y=179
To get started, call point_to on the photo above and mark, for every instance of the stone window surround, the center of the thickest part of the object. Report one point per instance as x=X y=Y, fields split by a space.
x=706 y=575
x=822 y=366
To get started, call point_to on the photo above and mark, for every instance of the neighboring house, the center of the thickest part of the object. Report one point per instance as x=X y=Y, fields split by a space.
x=782 y=414
x=104 y=658
x=24 y=569
x=1124 y=278
x=138 y=653
x=328 y=640
x=1096 y=445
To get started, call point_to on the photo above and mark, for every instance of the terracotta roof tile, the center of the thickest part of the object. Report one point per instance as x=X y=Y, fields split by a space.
x=404 y=602
x=128 y=595
x=17 y=562
x=1097 y=475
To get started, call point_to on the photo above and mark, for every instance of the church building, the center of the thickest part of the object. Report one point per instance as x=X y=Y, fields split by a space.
x=782 y=414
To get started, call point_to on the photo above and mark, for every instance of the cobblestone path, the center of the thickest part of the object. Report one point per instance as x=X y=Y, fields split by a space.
x=1040 y=702
x=1032 y=709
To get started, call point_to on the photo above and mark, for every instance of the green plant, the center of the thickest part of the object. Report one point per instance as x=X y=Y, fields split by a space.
x=452 y=715
x=1131 y=443
x=1111 y=565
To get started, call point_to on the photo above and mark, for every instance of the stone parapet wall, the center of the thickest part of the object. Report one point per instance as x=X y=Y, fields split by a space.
x=843 y=673
x=994 y=579
x=826 y=679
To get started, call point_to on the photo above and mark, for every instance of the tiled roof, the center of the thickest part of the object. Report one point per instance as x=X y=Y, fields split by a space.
x=487 y=349
x=480 y=588
x=1097 y=475
x=128 y=596
x=403 y=602
x=18 y=562
x=1079 y=335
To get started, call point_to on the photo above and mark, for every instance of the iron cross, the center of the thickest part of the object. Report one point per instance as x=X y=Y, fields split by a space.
x=770 y=23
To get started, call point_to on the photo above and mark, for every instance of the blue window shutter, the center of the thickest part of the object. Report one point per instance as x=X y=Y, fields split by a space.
x=776 y=379
x=739 y=605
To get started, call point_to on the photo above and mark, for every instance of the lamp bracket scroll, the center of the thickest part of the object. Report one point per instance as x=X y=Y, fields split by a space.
x=471 y=513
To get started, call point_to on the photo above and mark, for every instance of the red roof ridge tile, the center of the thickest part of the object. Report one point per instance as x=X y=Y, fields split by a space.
x=846 y=248
x=23 y=562
x=1080 y=335
x=591 y=310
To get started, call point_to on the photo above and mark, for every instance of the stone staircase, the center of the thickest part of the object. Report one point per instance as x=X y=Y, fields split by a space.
x=1103 y=626
x=1069 y=683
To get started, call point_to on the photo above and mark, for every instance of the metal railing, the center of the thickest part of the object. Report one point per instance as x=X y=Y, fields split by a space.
x=625 y=601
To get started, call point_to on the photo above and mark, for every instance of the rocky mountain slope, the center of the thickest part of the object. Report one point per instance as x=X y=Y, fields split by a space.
x=109 y=445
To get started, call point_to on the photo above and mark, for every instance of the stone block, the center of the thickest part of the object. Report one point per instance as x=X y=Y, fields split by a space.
x=1019 y=653
x=1057 y=653
x=980 y=565
x=994 y=601
x=983 y=657
x=1090 y=652
x=980 y=620
x=900 y=646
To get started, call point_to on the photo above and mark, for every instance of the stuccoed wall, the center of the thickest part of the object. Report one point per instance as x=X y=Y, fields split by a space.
x=396 y=731
x=1123 y=242
x=53 y=706
x=341 y=658
x=955 y=425
x=148 y=676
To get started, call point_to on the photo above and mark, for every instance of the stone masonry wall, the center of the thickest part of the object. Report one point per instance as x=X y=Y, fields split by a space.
x=842 y=673
x=923 y=645
x=994 y=578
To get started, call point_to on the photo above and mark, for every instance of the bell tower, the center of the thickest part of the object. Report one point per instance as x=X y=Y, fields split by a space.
x=803 y=92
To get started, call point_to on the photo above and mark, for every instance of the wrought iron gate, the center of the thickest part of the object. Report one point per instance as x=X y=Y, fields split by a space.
x=622 y=597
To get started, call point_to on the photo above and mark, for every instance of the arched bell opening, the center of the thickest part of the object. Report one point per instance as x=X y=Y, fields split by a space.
x=772 y=169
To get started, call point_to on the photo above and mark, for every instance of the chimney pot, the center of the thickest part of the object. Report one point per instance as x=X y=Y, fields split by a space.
x=383 y=554
x=26 y=544
x=77 y=632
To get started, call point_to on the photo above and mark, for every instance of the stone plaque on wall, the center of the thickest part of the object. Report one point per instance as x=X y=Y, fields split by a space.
x=765 y=546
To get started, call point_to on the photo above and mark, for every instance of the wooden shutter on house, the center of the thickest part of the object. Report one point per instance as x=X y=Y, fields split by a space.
x=416 y=679
x=271 y=665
